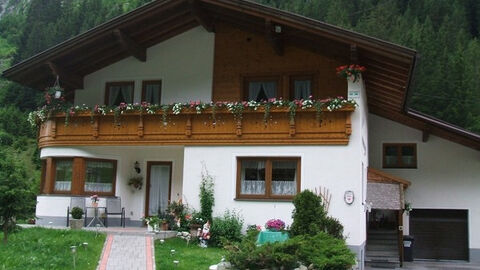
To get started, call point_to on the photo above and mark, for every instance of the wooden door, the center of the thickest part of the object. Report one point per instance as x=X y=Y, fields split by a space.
x=159 y=186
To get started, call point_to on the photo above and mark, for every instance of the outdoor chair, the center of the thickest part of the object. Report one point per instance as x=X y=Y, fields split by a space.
x=114 y=207
x=77 y=202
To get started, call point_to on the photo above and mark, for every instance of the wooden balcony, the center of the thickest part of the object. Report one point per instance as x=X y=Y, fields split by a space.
x=190 y=128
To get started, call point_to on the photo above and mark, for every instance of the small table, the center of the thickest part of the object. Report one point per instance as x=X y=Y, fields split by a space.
x=271 y=237
x=95 y=216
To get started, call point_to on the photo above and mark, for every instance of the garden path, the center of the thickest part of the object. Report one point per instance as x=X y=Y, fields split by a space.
x=132 y=252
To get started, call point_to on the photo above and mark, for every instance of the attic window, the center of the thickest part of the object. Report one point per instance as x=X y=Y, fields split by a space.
x=118 y=92
x=399 y=155
x=259 y=89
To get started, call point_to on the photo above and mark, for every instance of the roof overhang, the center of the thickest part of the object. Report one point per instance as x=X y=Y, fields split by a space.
x=387 y=79
x=383 y=177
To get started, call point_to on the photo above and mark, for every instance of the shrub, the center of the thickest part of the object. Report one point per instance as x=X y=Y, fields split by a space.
x=226 y=228
x=207 y=196
x=77 y=212
x=5 y=138
x=310 y=217
x=321 y=252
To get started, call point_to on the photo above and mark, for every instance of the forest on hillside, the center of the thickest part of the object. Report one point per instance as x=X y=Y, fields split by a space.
x=444 y=32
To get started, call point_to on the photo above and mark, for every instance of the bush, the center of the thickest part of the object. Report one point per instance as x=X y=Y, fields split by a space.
x=5 y=138
x=226 y=228
x=310 y=217
x=77 y=212
x=207 y=196
x=322 y=252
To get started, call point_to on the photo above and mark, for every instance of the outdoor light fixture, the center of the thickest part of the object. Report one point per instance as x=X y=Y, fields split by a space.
x=137 y=167
x=278 y=29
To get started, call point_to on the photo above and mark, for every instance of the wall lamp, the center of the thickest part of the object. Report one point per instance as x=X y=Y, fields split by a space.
x=137 y=167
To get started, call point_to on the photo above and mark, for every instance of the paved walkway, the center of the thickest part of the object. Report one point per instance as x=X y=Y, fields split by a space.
x=129 y=252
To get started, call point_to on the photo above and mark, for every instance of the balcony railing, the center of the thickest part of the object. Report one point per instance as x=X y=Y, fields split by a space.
x=208 y=128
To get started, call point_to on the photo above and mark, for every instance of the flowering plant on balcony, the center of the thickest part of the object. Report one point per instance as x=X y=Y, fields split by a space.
x=236 y=108
x=275 y=225
x=348 y=71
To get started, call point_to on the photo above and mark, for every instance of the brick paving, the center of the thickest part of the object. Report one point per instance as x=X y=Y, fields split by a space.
x=129 y=252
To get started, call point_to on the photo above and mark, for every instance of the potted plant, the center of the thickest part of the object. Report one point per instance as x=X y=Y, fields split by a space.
x=76 y=222
x=152 y=223
x=275 y=225
x=135 y=182
x=195 y=222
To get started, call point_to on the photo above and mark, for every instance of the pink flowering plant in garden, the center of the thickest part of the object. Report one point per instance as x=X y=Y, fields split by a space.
x=275 y=225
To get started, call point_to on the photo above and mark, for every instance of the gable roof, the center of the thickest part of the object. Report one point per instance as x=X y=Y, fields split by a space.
x=389 y=66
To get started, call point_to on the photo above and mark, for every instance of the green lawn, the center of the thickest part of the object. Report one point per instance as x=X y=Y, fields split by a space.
x=39 y=248
x=191 y=257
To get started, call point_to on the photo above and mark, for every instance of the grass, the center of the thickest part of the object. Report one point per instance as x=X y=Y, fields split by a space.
x=191 y=257
x=40 y=248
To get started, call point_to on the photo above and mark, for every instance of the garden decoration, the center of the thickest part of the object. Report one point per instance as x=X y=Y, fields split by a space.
x=326 y=196
x=205 y=235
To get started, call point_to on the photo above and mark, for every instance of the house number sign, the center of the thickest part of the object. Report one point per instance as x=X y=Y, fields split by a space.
x=349 y=197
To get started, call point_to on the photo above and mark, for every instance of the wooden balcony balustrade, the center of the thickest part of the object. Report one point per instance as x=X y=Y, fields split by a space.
x=190 y=128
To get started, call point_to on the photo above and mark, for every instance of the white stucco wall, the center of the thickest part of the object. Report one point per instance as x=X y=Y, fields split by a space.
x=134 y=202
x=338 y=168
x=447 y=177
x=184 y=63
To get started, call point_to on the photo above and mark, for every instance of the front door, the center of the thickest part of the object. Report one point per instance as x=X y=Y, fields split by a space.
x=159 y=180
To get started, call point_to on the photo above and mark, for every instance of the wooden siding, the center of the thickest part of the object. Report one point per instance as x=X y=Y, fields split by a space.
x=189 y=128
x=240 y=54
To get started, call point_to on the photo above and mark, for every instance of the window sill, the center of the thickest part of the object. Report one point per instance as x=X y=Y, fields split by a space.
x=264 y=199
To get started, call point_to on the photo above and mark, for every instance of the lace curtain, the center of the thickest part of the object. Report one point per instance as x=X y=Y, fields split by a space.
x=63 y=175
x=99 y=176
x=255 y=90
x=302 y=89
x=285 y=182
x=120 y=93
x=152 y=93
x=159 y=181
x=252 y=186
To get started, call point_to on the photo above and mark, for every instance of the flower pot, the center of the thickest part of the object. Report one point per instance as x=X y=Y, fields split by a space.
x=194 y=230
x=76 y=224
x=164 y=226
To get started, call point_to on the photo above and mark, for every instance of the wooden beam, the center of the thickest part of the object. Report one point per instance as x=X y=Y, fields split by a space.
x=200 y=16
x=72 y=80
x=130 y=45
x=425 y=135
x=274 y=36
x=353 y=54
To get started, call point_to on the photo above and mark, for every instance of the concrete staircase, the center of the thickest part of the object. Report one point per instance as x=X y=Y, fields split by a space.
x=382 y=249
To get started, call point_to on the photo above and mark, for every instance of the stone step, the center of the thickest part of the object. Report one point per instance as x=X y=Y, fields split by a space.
x=382 y=264
x=382 y=253
x=382 y=248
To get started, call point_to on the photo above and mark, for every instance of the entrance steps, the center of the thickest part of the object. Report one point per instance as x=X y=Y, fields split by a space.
x=382 y=249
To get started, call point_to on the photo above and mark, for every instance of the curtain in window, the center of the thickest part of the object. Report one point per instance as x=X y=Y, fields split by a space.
x=302 y=89
x=284 y=177
x=159 y=181
x=120 y=93
x=63 y=175
x=152 y=93
x=260 y=90
x=253 y=177
x=99 y=176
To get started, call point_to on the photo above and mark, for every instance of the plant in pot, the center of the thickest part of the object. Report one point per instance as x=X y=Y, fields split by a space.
x=77 y=221
x=163 y=217
x=152 y=223
x=195 y=222
x=135 y=182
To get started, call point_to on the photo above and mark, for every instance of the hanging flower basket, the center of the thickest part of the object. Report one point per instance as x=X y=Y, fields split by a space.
x=350 y=71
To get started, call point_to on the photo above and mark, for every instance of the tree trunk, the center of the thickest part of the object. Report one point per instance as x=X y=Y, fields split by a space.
x=5 y=232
